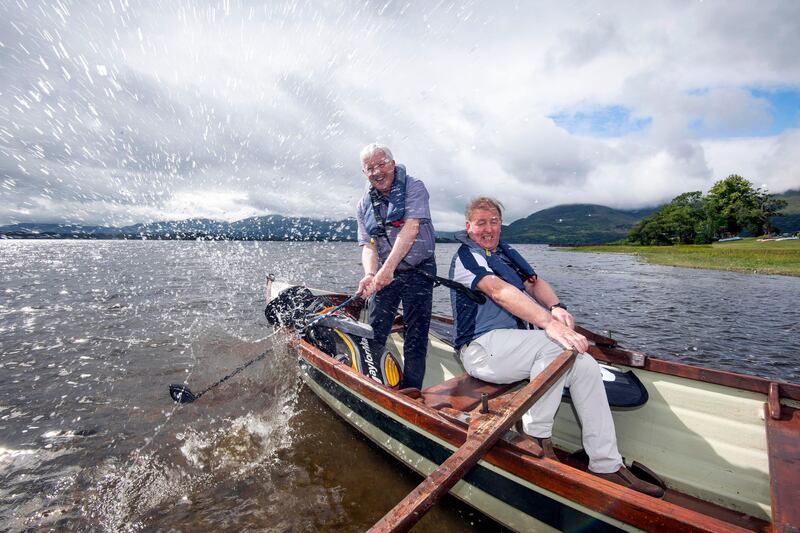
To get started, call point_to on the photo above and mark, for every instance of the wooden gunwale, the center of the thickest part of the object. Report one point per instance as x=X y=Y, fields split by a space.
x=612 y=354
x=584 y=489
x=784 y=456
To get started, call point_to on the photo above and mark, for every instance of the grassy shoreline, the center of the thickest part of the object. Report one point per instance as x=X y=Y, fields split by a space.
x=747 y=255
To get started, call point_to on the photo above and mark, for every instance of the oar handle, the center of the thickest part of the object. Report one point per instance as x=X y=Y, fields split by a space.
x=476 y=296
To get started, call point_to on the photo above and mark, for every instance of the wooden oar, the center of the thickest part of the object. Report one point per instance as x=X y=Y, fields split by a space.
x=484 y=430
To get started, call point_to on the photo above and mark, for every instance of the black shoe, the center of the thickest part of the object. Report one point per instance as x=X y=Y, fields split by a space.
x=546 y=444
x=625 y=477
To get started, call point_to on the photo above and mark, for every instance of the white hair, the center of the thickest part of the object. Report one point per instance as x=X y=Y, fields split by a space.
x=370 y=149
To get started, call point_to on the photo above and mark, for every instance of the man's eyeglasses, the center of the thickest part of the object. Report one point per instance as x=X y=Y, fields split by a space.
x=379 y=166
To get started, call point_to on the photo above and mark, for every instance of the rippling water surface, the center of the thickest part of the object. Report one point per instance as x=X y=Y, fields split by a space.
x=92 y=332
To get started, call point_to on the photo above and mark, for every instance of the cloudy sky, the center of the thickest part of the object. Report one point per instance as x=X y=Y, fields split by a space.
x=122 y=111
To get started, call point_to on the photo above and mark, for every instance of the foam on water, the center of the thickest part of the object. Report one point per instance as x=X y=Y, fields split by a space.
x=154 y=479
x=246 y=443
x=125 y=494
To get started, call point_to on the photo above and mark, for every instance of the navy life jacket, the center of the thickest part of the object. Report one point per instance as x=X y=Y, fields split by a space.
x=515 y=271
x=509 y=266
x=395 y=213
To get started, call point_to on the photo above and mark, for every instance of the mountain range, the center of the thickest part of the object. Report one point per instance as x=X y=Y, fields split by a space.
x=267 y=228
x=563 y=224
x=789 y=222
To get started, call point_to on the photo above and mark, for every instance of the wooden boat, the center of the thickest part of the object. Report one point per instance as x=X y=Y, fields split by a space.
x=725 y=446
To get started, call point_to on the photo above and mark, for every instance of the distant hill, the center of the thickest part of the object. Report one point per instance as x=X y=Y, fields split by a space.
x=790 y=221
x=65 y=231
x=269 y=228
x=574 y=224
x=565 y=224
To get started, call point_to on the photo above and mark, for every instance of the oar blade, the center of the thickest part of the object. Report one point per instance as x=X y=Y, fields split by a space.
x=181 y=393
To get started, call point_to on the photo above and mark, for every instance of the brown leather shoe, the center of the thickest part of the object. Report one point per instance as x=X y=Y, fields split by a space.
x=547 y=447
x=545 y=443
x=625 y=477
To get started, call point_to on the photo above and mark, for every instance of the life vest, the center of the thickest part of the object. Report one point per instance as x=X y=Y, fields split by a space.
x=396 y=210
x=517 y=272
x=514 y=269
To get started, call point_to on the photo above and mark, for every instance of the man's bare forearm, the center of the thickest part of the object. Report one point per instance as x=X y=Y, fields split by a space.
x=543 y=292
x=515 y=302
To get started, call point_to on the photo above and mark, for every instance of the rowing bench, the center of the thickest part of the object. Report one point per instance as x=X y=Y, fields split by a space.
x=463 y=393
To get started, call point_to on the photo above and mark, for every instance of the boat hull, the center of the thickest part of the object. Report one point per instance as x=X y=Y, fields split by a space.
x=703 y=431
x=507 y=499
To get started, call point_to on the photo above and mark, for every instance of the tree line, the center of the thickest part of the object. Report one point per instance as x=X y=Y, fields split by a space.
x=731 y=206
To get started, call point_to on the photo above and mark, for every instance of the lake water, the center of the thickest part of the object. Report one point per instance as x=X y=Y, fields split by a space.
x=92 y=332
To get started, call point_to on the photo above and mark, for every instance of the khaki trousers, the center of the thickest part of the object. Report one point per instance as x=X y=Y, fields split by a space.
x=508 y=355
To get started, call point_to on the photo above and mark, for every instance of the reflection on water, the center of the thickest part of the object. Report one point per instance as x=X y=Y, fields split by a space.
x=92 y=332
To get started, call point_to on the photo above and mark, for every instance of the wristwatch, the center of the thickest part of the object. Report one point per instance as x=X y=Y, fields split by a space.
x=559 y=304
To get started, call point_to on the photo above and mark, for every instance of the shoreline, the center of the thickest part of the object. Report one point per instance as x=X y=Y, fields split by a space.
x=746 y=255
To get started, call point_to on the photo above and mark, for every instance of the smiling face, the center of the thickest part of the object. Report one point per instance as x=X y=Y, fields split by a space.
x=483 y=227
x=379 y=170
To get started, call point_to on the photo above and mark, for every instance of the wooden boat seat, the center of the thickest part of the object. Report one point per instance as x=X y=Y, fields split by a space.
x=463 y=392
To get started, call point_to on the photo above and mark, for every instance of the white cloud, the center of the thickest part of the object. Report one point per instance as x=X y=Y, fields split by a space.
x=771 y=162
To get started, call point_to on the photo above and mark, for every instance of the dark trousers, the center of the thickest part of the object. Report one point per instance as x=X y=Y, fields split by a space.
x=416 y=293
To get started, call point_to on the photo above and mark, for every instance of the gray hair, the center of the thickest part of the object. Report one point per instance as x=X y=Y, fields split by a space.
x=483 y=202
x=370 y=149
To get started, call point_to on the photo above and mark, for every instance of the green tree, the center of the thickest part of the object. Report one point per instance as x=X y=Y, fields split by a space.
x=650 y=231
x=733 y=205
x=768 y=208
x=678 y=221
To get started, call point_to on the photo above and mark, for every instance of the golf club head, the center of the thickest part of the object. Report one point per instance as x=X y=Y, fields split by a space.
x=181 y=393
x=346 y=324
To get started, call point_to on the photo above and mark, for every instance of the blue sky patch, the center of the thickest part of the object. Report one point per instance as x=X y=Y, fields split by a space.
x=783 y=106
x=609 y=121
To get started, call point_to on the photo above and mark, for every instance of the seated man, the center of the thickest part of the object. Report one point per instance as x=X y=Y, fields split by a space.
x=496 y=346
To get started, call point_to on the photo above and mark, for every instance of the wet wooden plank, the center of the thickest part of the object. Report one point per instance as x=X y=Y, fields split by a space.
x=774 y=401
x=463 y=392
x=484 y=430
x=783 y=445
x=596 y=338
